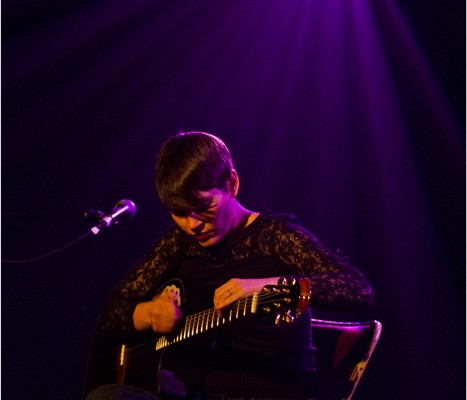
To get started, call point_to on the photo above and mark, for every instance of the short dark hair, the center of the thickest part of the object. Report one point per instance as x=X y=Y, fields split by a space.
x=190 y=162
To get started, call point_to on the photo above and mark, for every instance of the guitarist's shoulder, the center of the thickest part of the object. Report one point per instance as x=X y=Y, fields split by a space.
x=283 y=219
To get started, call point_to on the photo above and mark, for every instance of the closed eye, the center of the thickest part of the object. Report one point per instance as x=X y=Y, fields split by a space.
x=179 y=213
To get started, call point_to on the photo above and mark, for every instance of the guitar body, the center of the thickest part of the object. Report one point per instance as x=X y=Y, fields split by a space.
x=171 y=366
x=141 y=367
x=174 y=371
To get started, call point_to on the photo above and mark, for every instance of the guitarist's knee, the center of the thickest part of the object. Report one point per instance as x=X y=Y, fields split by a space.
x=120 y=392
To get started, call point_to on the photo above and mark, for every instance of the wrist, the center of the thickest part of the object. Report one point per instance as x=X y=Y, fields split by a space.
x=141 y=317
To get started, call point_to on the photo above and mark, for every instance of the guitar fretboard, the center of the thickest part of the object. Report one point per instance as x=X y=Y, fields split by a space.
x=210 y=319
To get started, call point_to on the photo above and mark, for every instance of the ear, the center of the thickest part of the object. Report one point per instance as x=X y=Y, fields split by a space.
x=233 y=183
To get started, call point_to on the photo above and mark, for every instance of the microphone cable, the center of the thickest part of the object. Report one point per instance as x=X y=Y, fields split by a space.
x=123 y=209
x=28 y=260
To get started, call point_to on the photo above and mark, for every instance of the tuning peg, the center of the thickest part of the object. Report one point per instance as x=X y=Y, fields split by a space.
x=277 y=321
x=287 y=317
x=284 y=316
x=287 y=281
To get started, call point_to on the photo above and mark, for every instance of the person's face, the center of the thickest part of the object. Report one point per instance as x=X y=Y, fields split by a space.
x=211 y=223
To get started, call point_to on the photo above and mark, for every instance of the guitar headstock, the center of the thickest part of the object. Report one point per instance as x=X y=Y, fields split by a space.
x=289 y=299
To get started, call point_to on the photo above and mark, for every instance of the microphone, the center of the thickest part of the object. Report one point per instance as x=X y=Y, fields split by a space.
x=124 y=209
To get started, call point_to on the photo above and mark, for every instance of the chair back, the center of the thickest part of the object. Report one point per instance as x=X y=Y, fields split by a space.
x=343 y=350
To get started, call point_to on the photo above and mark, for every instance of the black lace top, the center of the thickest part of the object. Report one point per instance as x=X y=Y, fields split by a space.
x=272 y=245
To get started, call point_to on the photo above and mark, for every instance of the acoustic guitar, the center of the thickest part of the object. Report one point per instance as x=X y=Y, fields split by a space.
x=140 y=365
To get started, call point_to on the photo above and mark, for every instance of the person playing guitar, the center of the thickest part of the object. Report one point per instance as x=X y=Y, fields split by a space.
x=220 y=307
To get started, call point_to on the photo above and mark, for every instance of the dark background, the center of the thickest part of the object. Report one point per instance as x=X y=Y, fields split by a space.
x=350 y=114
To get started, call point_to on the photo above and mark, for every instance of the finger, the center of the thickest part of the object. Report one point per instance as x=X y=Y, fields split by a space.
x=224 y=299
x=173 y=295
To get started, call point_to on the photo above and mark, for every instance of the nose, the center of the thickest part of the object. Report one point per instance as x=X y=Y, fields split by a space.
x=194 y=223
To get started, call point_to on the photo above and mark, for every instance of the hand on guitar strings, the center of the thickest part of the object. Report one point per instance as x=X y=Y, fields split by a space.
x=236 y=289
x=161 y=314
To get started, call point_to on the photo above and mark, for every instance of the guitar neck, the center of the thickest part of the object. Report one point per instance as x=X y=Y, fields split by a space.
x=210 y=319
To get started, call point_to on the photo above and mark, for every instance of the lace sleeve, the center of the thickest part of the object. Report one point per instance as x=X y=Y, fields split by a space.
x=336 y=285
x=140 y=284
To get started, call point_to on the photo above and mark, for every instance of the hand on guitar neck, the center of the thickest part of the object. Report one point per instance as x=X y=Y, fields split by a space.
x=236 y=289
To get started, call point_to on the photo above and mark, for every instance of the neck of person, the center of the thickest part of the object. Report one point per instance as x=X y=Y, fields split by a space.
x=243 y=217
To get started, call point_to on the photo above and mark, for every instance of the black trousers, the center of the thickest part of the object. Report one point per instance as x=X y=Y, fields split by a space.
x=121 y=392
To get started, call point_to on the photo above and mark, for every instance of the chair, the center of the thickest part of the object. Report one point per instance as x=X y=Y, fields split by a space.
x=343 y=351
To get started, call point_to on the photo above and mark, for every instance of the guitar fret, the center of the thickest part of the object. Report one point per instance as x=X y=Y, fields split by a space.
x=185 y=329
x=189 y=330
x=195 y=331
x=206 y=322
x=201 y=322
x=208 y=318
x=192 y=329
x=254 y=303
